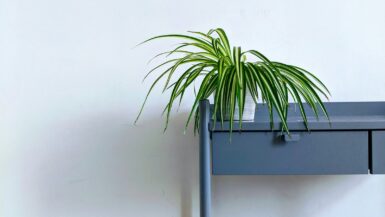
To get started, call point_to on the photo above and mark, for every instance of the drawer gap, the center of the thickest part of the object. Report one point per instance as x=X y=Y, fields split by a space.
x=370 y=147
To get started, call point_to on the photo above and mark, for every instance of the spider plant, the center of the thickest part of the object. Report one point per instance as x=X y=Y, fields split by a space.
x=227 y=75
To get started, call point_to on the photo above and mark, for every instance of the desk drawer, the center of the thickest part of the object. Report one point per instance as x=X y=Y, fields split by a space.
x=378 y=152
x=317 y=152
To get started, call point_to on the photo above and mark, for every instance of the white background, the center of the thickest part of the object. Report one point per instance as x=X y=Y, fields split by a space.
x=70 y=87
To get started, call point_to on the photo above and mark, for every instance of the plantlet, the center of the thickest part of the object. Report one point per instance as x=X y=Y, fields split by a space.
x=228 y=76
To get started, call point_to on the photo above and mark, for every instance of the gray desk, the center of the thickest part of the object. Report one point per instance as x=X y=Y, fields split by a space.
x=352 y=142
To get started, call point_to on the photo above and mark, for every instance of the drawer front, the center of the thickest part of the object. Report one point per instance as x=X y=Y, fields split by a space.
x=378 y=152
x=317 y=152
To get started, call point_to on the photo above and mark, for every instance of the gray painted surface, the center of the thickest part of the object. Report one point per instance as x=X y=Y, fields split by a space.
x=343 y=144
x=348 y=143
x=343 y=116
x=378 y=152
x=322 y=152
x=204 y=160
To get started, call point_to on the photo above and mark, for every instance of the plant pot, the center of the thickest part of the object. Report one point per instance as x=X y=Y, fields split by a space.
x=248 y=111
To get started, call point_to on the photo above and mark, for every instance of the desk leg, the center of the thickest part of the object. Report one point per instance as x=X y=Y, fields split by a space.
x=204 y=159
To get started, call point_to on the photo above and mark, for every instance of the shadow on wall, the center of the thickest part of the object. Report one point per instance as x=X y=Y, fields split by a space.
x=282 y=195
x=103 y=165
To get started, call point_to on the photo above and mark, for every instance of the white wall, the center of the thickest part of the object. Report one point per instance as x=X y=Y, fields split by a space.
x=70 y=87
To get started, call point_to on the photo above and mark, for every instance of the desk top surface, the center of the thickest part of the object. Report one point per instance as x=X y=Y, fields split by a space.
x=342 y=116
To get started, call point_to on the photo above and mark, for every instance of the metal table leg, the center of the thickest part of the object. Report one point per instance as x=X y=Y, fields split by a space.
x=204 y=159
